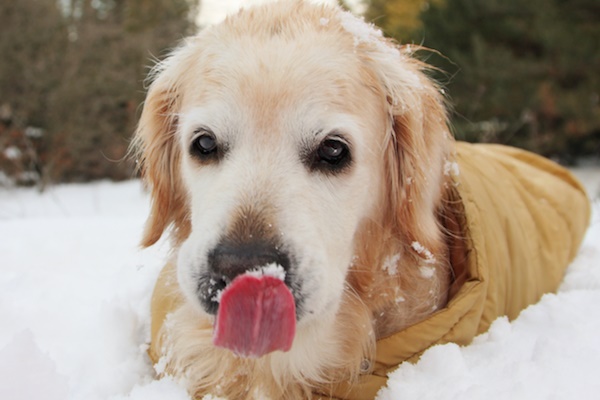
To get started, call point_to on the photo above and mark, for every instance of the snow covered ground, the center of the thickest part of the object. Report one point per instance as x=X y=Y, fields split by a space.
x=74 y=312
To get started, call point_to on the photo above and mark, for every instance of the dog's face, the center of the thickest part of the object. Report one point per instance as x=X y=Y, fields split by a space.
x=277 y=144
x=280 y=157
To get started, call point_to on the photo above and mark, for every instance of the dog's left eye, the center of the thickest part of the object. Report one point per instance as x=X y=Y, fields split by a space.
x=332 y=151
x=332 y=155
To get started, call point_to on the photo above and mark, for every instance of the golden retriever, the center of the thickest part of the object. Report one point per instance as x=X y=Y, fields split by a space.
x=296 y=158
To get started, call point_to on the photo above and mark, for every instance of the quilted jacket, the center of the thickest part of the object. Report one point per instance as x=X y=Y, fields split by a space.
x=524 y=218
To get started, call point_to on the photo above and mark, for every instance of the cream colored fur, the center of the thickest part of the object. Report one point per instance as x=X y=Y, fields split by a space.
x=370 y=249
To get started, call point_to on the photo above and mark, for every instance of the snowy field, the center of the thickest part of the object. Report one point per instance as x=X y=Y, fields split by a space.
x=74 y=312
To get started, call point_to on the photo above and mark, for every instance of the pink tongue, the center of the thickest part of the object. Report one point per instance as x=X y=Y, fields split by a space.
x=257 y=315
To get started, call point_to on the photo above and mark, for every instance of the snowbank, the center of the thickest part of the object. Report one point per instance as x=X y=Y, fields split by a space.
x=74 y=312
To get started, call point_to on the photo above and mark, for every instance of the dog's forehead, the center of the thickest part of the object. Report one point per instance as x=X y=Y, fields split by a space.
x=274 y=78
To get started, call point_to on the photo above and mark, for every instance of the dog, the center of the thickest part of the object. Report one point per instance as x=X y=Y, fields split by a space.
x=300 y=163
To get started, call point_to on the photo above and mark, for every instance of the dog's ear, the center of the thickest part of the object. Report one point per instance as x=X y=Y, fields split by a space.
x=159 y=157
x=417 y=144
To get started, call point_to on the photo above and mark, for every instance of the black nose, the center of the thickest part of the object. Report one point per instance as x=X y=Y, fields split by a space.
x=228 y=260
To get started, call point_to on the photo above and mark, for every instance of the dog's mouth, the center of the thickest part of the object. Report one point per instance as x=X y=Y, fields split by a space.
x=256 y=316
x=249 y=288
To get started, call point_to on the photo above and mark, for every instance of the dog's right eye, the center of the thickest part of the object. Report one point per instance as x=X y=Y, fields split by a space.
x=204 y=146
x=331 y=156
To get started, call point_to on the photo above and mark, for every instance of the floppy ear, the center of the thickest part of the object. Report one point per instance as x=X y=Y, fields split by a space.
x=159 y=160
x=417 y=145
x=415 y=158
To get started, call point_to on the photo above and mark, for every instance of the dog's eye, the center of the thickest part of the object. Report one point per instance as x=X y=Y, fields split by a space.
x=332 y=151
x=204 y=145
x=332 y=155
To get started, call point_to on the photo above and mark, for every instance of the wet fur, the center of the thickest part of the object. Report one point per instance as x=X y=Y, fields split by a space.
x=413 y=142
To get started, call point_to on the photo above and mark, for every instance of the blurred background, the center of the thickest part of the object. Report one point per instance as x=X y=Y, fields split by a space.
x=523 y=73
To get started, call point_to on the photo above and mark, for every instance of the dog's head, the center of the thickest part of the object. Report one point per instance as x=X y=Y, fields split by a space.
x=277 y=137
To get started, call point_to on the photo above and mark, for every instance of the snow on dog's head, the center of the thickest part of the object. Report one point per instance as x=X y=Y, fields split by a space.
x=281 y=137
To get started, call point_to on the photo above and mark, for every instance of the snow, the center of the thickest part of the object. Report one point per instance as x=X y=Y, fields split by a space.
x=12 y=153
x=423 y=251
x=390 y=264
x=451 y=168
x=75 y=289
x=271 y=269
x=369 y=34
x=32 y=366
x=427 y=272
x=74 y=312
x=362 y=32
